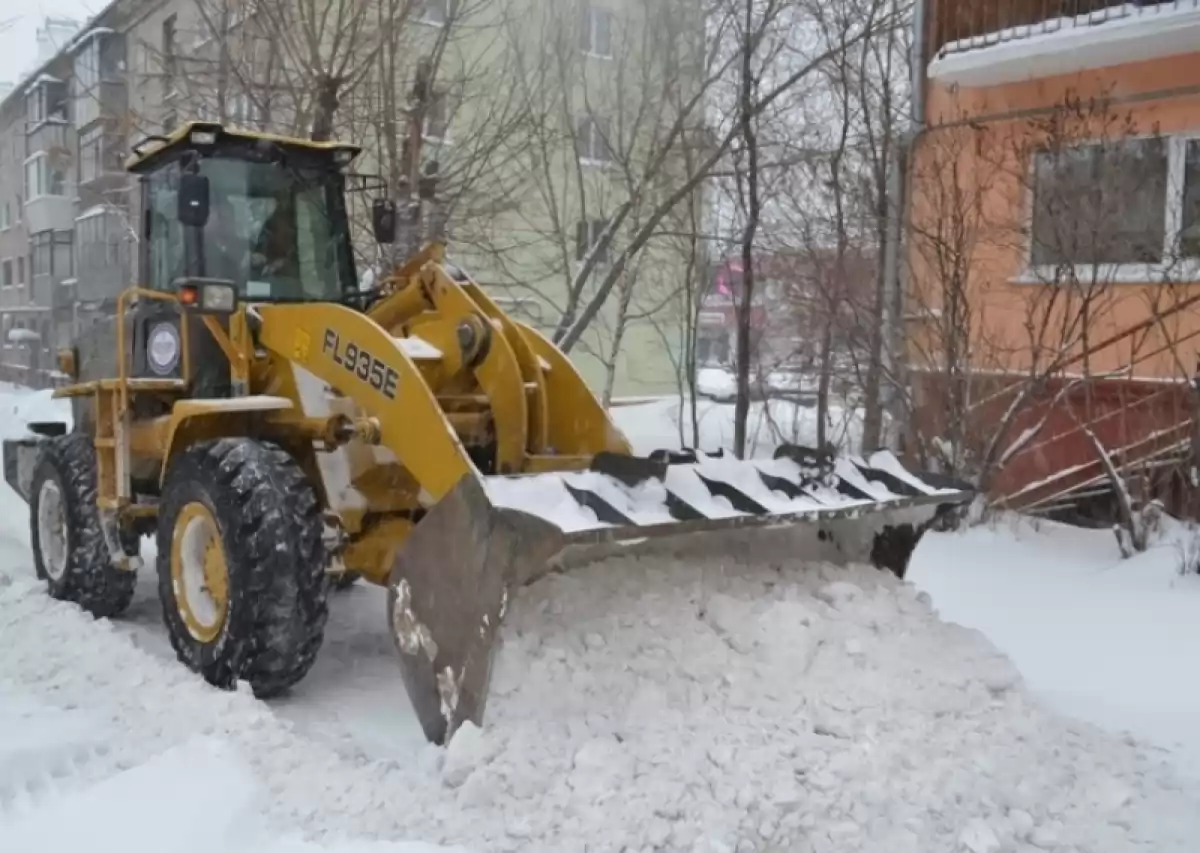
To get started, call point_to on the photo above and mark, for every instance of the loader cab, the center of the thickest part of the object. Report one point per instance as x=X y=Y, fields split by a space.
x=265 y=213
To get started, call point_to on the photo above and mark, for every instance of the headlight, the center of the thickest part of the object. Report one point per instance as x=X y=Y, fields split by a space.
x=218 y=298
x=163 y=349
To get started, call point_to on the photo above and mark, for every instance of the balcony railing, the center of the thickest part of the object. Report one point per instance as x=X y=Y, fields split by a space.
x=51 y=212
x=970 y=26
x=1012 y=32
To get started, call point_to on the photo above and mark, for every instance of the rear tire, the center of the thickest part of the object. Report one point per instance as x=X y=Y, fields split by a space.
x=69 y=551
x=246 y=510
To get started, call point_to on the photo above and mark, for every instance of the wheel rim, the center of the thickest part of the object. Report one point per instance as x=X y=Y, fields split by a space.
x=199 y=573
x=52 y=530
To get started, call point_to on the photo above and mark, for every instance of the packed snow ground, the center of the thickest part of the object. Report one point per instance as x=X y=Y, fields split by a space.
x=698 y=704
x=1106 y=639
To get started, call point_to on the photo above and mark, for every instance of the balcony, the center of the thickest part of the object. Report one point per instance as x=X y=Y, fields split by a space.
x=43 y=290
x=107 y=99
x=991 y=42
x=104 y=270
x=50 y=213
x=104 y=253
x=48 y=136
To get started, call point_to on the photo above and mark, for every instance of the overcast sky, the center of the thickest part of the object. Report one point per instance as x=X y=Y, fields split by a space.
x=18 y=44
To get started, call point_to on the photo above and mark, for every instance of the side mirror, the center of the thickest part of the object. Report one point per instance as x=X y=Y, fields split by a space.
x=193 y=200
x=383 y=220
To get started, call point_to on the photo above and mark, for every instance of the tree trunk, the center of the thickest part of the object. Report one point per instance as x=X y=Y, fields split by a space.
x=614 y=350
x=741 y=411
x=825 y=365
x=327 y=101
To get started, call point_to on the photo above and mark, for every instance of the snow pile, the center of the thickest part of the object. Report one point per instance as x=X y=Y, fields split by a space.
x=660 y=424
x=762 y=710
x=694 y=705
x=19 y=406
x=651 y=705
x=716 y=382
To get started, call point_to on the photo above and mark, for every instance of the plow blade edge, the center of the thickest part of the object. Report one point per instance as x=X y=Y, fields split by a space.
x=20 y=457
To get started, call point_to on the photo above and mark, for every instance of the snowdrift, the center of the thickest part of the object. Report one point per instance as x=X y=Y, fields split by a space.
x=638 y=704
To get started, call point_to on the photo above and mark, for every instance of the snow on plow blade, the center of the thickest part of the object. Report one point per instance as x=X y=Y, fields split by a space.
x=451 y=582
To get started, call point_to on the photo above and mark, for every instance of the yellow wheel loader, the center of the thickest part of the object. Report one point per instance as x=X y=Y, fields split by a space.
x=280 y=431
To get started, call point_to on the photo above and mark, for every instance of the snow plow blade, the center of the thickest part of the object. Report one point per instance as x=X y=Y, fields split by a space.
x=451 y=582
x=20 y=455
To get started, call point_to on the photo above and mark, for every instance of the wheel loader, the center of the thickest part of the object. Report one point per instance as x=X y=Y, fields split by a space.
x=281 y=431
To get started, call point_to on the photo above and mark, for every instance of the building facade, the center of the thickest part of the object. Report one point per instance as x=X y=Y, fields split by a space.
x=139 y=67
x=1054 y=201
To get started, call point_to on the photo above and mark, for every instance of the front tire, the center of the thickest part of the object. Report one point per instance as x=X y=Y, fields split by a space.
x=242 y=565
x=69 y=551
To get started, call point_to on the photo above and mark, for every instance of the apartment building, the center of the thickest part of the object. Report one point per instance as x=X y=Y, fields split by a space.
x=141 y=66
x=1054 y=197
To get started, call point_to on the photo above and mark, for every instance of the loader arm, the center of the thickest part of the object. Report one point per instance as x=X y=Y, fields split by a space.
x=359 y=359
x=576 y=423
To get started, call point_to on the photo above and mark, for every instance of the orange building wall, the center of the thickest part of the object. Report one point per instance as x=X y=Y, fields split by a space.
x=1012 y=323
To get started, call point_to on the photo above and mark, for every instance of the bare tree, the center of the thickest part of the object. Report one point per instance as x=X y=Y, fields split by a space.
x=657 y=178
x=1053 y=350
x=807 y=141
x=749 y=198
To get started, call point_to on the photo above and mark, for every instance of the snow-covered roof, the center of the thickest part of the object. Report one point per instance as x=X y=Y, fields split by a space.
x=23 y=336
x=40 y=79
x=22 y=82
x=87 y=36
x=91 y=212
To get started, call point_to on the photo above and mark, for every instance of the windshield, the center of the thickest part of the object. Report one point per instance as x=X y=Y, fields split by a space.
x=278 y=231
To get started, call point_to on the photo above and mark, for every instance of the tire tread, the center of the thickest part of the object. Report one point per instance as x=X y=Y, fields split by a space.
x=90 y=579
x=272 y=525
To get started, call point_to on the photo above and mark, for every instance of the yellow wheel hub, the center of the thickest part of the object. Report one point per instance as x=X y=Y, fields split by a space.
x=199 y=573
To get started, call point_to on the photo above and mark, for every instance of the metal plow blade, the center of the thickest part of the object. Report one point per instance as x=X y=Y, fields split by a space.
x=451 y=582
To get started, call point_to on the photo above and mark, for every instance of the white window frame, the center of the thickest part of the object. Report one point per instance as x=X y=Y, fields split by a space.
x=86 y=138
x=7 y=263
x=39 y=95
x=1171 y=270
x=592 y=141
x=43 y=176
x=86 y=58
x=445 y=12
x=441 y=97
x=243 y=111
x=591 y=13
x=85 y=87
x=35 y=106
x=595 y=227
